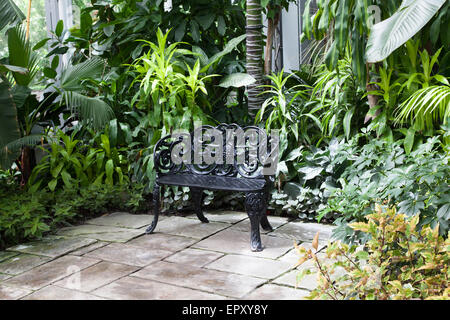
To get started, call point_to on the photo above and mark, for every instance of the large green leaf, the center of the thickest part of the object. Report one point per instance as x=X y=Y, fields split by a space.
x=73 y=75
x=307 y=25
x=410 y=18
x=93 y=110
x=22 y=55
x=237 y=80
x=358 y=57
x=9 y=127
x=311 y=172
x=425 y=106
x=341 y=26
x=9 y=13
x=230 y=46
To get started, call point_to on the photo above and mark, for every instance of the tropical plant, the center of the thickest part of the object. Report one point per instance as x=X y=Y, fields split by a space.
x=380 y=171
x=171 y=96
x=312 y=172
x=346 y=28
x=10 y=14
x=22 y=72
x=166 y=92
x=67 y=165
x=348 y=21
x=400 y=261
x=410 y=18
x=337 y=101
x=9 y=128
x=71 y=85
x=286 y=112
x=29 y=215
x=33 y=114
x=210 y=28
x=382 y=113
x=427 y=105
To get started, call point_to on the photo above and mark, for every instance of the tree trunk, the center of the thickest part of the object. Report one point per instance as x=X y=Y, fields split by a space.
x=26 y=163
x=254 y=53
x=271 y=26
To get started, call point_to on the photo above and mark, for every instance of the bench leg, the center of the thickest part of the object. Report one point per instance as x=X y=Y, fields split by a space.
x=255 y=205
x=197 y=194
x=264 y=221
x=156 y=204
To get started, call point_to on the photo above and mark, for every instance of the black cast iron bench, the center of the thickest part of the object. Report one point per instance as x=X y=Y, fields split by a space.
x=237 y=167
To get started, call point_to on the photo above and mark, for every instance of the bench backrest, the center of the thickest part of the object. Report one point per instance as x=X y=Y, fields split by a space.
x=225 y=150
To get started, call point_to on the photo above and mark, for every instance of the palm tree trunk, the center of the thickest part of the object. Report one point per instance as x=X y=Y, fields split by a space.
x=254 y=53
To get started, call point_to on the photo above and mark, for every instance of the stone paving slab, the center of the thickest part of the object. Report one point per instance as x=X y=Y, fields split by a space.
x=52 y=247
x=4 y=255
x=22 y=263
x=102 y=233
x=96 y=276
x=194 y=257
x=293 y=257
x=4 y=276
x=304 y=231
x=50 y=272
x=56 y=293
x=124 y=220
x=162 y=242
x=12 y=293
x=290 y=279
x=111 y=257
x=244 y=225
x=237 y=242
x=130 y=288
x=226 y=216
x=186 y=227
x=127 y=254
x=276 y=292
x=250 y=266
x=89 y=248
x=218 y=282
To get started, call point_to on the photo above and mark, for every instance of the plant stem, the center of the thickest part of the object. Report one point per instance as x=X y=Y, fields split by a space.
x=28 y=20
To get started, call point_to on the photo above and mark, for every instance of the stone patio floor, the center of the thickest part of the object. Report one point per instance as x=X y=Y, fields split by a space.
x=110 y=257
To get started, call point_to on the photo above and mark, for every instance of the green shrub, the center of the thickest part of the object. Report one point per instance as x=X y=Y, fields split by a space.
x=380 y=171
x=400 y=261
x=310 y=171
x=26 y=215
x=71 y=164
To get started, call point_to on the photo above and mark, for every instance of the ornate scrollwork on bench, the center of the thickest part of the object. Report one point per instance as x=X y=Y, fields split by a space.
x=235 y=151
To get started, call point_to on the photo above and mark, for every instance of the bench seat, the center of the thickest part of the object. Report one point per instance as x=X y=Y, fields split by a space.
x=212 y=182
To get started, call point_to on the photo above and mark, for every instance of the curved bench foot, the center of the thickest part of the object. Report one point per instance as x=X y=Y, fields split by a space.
x=156 y=205
x=197 y=195
x=265 y=223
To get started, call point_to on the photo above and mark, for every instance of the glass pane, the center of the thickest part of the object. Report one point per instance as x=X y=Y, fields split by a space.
x=77 y=6
x=38 y=27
